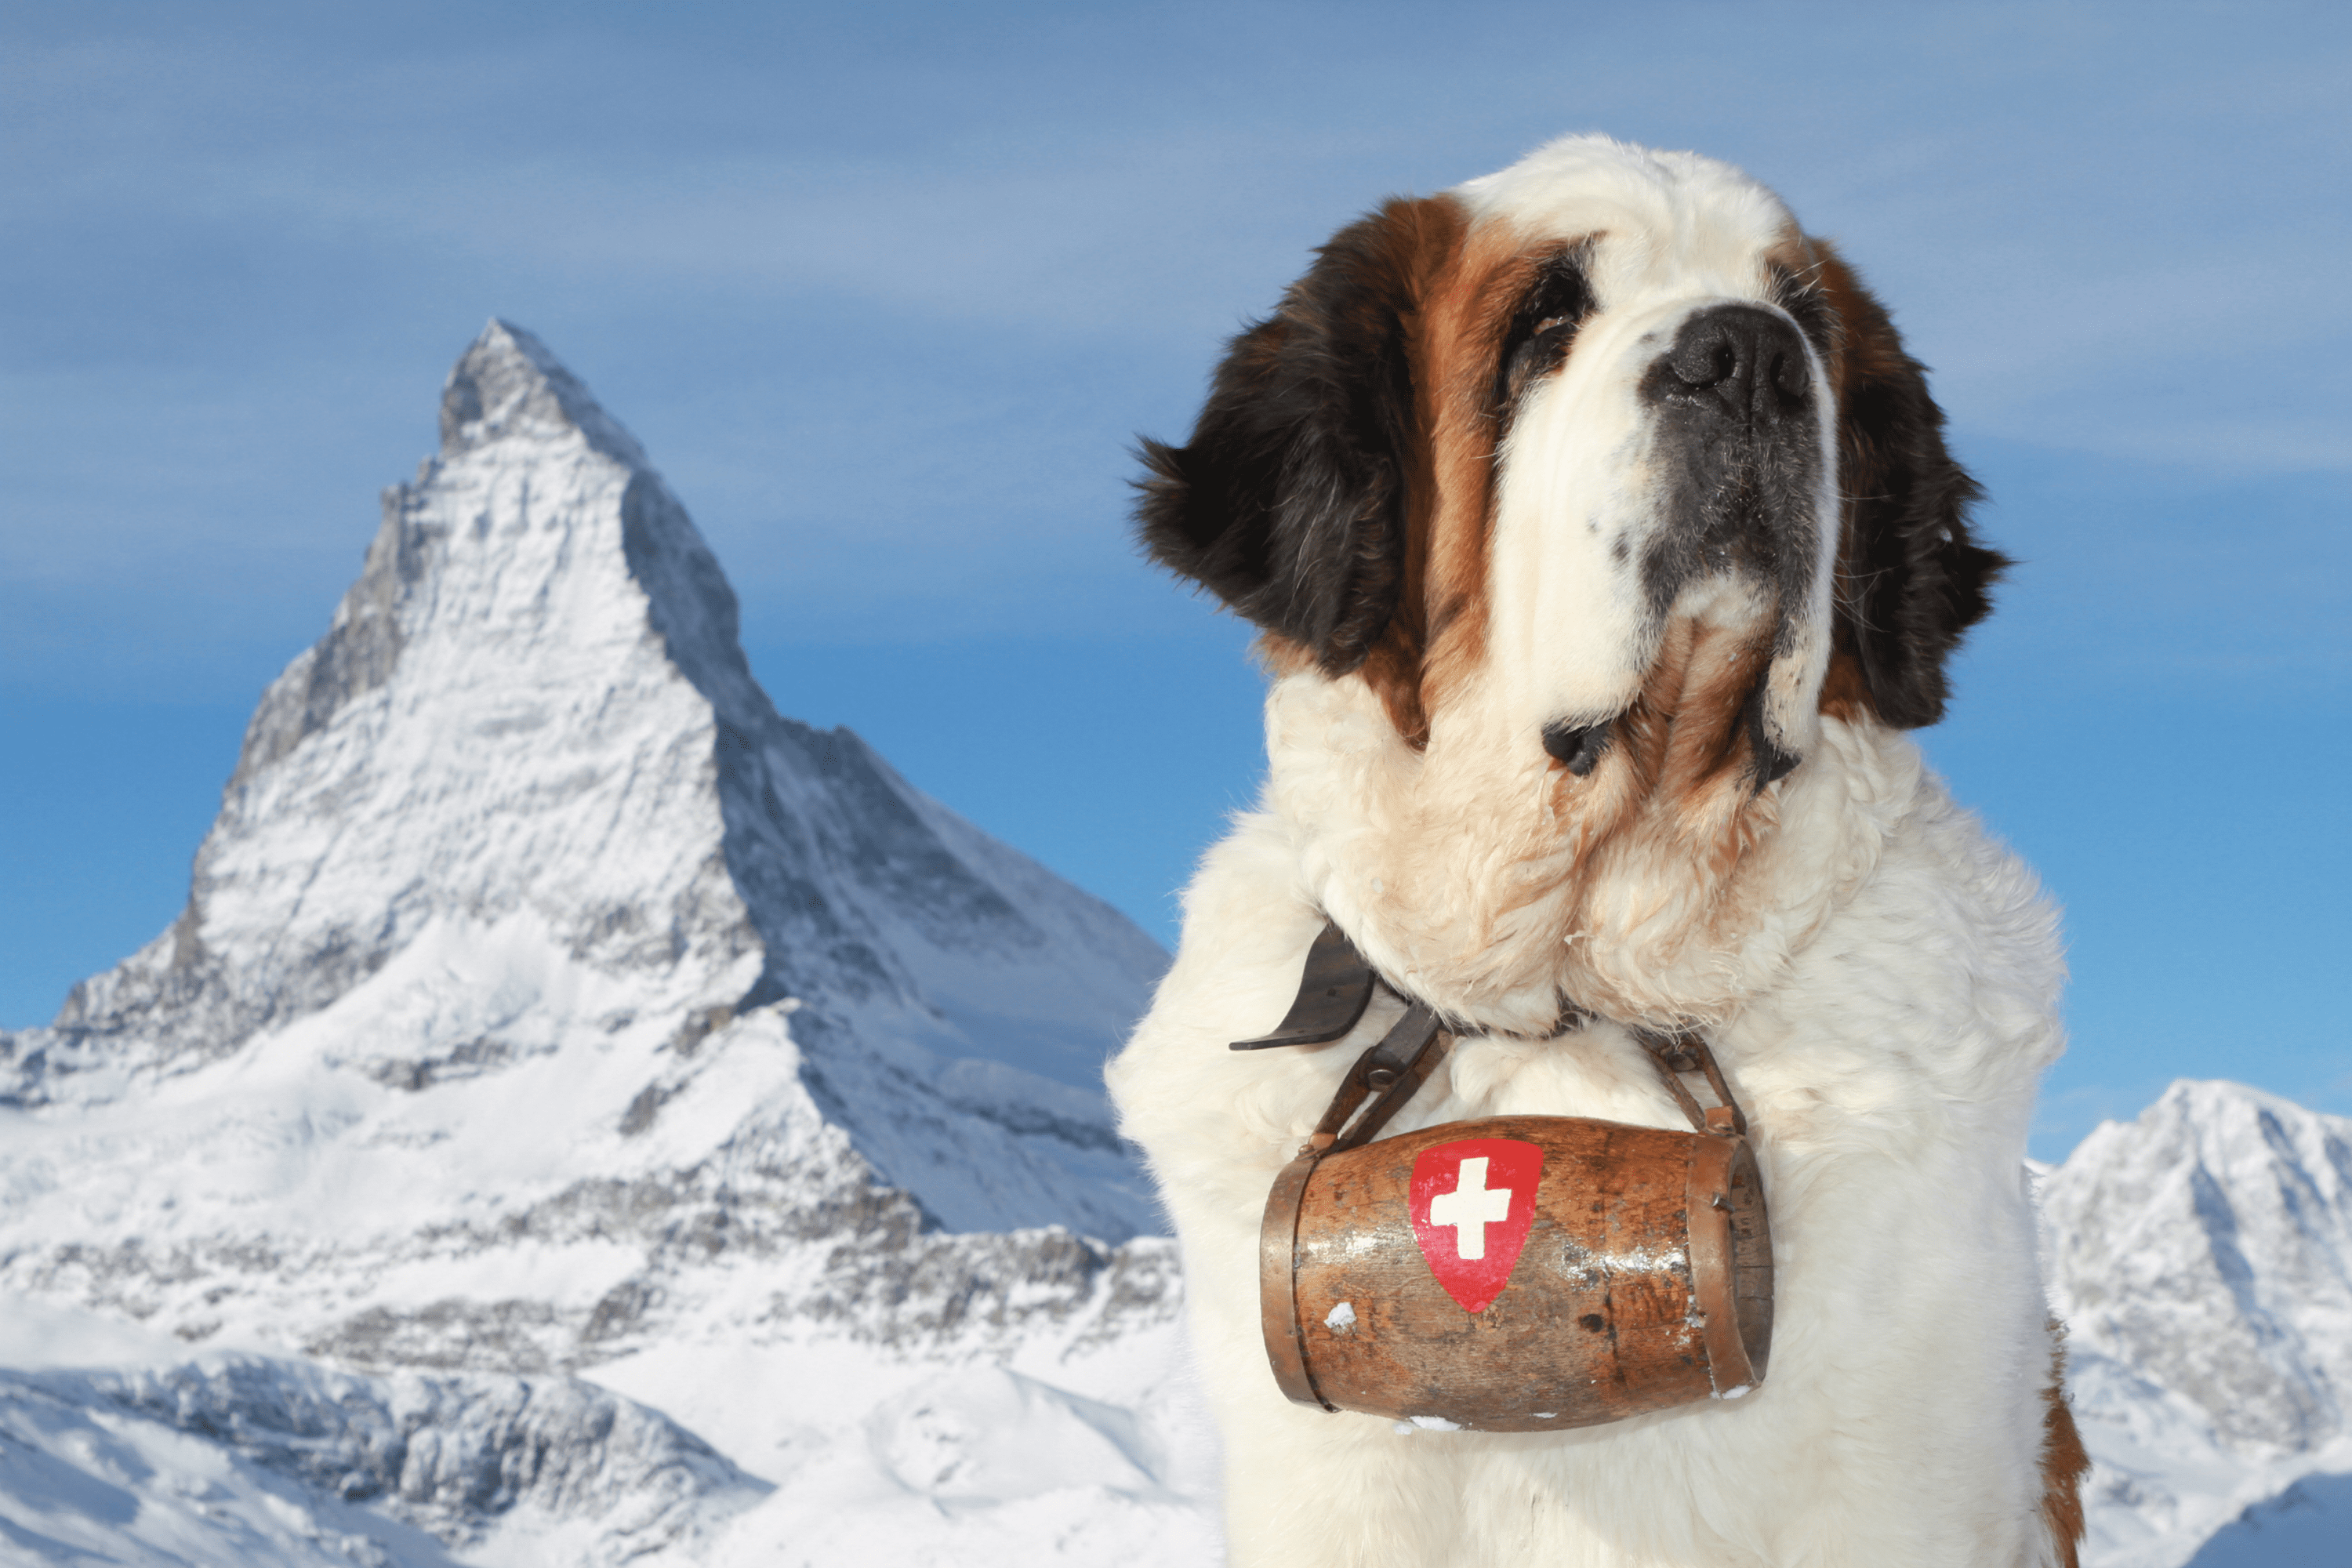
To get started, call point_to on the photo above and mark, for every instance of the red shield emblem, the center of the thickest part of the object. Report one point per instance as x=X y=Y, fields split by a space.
x=1472 y=1205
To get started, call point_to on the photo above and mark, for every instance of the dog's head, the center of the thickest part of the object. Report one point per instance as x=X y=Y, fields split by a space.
x=1530 y=425
x=1607 y=481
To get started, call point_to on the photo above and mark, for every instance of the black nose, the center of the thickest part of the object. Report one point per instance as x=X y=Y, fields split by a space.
x=1739 y=362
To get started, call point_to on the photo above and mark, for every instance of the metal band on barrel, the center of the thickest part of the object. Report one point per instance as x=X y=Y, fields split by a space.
x=1277 y=1284
x=1712 y=1280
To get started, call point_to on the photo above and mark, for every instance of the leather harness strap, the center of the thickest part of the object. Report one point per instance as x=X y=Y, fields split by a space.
x=1679 y=1056
x=1332 y=994
x=1387 y=1075
x=1336 y=989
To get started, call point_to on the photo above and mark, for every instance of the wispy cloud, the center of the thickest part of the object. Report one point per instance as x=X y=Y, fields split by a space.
x=918 y=274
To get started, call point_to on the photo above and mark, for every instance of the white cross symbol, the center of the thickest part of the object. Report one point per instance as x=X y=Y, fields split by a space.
x=1470 y=1208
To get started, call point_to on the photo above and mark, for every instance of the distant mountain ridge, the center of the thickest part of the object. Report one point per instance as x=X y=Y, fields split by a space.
x=2201 y=1259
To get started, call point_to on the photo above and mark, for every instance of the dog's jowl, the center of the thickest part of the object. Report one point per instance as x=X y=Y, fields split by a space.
x=1605 y=546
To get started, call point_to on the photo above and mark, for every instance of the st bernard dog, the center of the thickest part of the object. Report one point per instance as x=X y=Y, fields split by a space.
x=1604 y=545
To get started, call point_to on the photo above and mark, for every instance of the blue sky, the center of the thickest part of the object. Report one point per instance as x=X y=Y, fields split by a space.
x=888 y=289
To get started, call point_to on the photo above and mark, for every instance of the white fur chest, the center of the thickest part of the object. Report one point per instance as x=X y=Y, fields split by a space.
x=1887 y=1053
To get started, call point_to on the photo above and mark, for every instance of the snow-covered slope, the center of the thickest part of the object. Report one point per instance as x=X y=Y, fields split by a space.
x=116 y=1446
x=2202 y=1258
x=283 y=1461
x=547 y=1006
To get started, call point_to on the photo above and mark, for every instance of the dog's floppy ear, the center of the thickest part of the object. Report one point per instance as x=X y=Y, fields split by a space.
x=1910 y=578
x=1289 y=502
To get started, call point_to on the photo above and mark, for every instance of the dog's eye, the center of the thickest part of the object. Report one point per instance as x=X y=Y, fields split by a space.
x=1542 y=329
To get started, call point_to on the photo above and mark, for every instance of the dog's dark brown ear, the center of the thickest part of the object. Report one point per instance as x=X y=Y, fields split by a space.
x=1910 y=578
x=1289 y=502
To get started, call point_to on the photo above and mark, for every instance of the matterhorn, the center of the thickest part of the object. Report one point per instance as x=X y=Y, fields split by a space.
x=580 y=1112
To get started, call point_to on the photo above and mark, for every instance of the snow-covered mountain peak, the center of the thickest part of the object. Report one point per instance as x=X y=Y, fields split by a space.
x=503 y=723
x=547 y=1006
x=2220 y=1206
x=509 y=385
x=524 y=799
x=2201 y=1258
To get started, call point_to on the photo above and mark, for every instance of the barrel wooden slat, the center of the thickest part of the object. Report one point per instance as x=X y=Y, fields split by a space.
x=1600 y=1318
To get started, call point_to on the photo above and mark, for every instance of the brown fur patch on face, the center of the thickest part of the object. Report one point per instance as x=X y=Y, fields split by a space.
x=1868 y=346
x=1393 y=671
x=2064 y=1461
x=1843 y=694
x=1904 y=551
x=1861 y=344
x=1677 y=781
x=1421 y=252
x=1686 y=754
x=1683 y=733
x=1467 y=284
x=1458 y=338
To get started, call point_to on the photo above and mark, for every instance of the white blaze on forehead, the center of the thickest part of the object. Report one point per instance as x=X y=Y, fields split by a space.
x=1691 y=213
x=1667 y=234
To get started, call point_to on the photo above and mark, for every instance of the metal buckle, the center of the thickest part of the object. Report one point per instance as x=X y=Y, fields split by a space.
x=1683 y=1054
x=1386 y=1075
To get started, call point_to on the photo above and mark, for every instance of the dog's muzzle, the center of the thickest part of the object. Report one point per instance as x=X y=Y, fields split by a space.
x=1738 y=442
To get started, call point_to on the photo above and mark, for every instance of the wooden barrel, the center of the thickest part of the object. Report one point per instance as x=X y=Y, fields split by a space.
x=1518 y=1274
